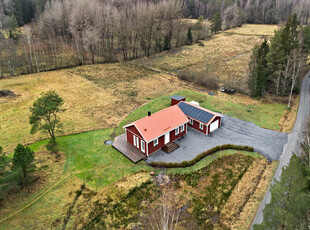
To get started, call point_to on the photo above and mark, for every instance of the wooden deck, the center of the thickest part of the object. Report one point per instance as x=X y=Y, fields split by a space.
x=127 y=149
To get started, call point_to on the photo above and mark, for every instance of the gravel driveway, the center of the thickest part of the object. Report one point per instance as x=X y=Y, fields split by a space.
x=233 y=131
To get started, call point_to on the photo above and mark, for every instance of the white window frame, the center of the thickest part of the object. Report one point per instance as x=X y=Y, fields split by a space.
x=155 y=142
x=134 y=140
x=201 y=126
x=177 y=131
x=142 y=146
x=137 y=141
x=191 y=121
x=182 y=128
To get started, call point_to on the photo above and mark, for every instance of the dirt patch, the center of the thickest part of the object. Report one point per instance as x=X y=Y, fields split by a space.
x=7 y=93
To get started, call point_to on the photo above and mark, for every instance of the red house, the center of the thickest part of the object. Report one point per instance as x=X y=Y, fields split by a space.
x=159 y=130
x=201 y=119
x=153 y=132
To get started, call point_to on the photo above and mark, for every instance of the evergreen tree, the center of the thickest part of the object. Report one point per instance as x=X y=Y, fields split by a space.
x=216 y=23
x=22 y=159
x=258 y=68
x=285 y=41
x=167 y=43
x=290 y=199
x=306 y=43
x=14 y=28
x=189 y=37
x=44 y=113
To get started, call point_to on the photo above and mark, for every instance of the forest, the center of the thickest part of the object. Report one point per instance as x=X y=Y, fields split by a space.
x=40 y=35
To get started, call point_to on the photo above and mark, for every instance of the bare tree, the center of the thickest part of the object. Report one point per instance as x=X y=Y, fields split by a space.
x=297 y=60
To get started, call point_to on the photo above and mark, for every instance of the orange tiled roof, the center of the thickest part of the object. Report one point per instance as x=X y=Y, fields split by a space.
x=154 y=126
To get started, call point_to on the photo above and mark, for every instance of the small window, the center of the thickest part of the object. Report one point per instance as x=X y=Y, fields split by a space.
x=134 y=140
x=155 y=142
x=191 y=121
x=142 y=146
x=182 y=128
x=201 y=126
x=137 y=141
x=177 y=131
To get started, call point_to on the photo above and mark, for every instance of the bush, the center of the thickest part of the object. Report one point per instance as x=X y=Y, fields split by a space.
x=199 y=78
x=199 y=157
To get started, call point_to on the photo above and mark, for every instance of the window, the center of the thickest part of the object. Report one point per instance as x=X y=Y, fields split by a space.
x=201 y=126
x=177 y=131
x=155 y=142
x=142 y=146
x=182 y=128
x=137 y=141
x=191 y=121
x=134 y=140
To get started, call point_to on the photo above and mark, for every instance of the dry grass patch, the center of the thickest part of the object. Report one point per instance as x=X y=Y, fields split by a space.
x=288 y=119
x=226 y=54
x=49 y=170
x=254 y=29
x=49 y=211
x=241 y=207
x=95 y=97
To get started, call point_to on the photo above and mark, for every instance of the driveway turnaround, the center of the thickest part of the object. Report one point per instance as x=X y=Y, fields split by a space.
x=233 y=131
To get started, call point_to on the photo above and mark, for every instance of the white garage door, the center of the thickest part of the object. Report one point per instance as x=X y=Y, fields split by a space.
x=214 y=125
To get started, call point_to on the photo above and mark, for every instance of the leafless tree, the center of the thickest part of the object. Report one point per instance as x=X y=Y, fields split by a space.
x=297 y=61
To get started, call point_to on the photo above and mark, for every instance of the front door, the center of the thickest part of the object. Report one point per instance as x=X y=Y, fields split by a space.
x=167 y=138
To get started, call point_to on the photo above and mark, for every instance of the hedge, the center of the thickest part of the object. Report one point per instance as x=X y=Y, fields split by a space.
x=199 y=157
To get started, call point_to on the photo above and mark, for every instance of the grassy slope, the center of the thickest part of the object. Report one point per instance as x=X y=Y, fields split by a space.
x=96 y=97
x=226 y=54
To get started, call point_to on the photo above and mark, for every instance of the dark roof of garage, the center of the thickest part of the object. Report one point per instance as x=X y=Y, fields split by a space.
x=177 y=97
x=195 y=112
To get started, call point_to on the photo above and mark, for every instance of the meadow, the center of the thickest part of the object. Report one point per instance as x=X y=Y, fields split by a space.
x=224 y=56
x=101 y=99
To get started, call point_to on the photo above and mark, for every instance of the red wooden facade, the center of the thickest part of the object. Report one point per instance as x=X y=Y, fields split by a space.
x=205 y=127
x=132 y=132
x=174 y=102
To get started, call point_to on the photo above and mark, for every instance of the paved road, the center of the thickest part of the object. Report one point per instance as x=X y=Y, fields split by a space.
x=293 y=144
x=233 y=131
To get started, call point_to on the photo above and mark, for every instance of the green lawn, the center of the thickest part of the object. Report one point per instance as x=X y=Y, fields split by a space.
x=98 y=164
x=263 y=115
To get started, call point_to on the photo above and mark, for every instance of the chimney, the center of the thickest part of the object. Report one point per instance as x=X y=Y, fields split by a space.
x=149 y=113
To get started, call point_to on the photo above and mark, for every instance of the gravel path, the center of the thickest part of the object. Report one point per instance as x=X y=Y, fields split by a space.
x=293 y=144
x=233 y=131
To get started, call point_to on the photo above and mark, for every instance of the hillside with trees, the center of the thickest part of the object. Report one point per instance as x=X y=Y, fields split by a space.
x=59 y=34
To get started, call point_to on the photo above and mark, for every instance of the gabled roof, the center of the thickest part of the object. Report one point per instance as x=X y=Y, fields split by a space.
x=201 y=114
x=177 y=97
x=154 y=126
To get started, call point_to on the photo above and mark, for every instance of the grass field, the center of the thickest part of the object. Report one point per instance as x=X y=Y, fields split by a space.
x=98 y=96
x=265 y=115
x=106 y=97
x=227 y=55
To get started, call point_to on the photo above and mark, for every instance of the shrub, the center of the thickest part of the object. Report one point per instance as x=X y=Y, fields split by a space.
x=199 y=78
x=199 y=157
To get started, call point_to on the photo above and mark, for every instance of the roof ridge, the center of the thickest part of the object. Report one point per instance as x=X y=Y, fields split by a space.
x=143 y=118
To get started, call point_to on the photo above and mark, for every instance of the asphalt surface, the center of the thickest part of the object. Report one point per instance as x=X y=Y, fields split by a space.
x=233 y=131
x=293 y=143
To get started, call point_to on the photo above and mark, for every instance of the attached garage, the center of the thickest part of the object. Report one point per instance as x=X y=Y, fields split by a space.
x=201 y=119
x=215 y=125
